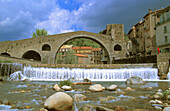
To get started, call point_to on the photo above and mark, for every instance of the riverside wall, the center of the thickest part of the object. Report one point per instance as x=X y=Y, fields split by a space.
x=99 y=66
x=163 y=61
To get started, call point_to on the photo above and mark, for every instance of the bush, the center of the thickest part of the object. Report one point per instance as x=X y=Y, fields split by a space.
x=165 y=94
x=65 y=82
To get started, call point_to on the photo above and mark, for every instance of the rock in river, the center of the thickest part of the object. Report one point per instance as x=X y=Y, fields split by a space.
x=56 y=87
x=79 y=97
x=112 y=87
x=135 y=80
x=66 y=88
x=96 y=88
x=59 y=101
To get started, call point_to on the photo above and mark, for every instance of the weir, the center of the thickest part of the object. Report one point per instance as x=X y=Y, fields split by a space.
x=58 y=74
x=6 y=69
x=17 y=71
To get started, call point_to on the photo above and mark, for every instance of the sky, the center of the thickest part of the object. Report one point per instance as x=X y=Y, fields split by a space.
x=20 y=18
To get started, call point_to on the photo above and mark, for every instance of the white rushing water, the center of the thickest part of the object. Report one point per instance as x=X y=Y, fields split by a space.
x=58 y=74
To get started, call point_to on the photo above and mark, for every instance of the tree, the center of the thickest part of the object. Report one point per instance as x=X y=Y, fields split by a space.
x=70 y=58
x=39 y=33
x=80 y=42
x=59 y=58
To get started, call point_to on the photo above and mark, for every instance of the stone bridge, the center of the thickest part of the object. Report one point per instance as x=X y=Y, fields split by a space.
x=44 y=49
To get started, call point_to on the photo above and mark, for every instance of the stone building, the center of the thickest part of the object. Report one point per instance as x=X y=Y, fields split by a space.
x=163 y=30
x=143 y=35
x=116 y=31
x=65 y=48
x=92 y=55
x=97 y=55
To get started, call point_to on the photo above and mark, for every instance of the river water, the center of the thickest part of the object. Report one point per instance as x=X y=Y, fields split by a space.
x=30 y=96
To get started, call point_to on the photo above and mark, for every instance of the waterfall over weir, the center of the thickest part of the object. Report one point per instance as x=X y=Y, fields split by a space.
x=58 y=74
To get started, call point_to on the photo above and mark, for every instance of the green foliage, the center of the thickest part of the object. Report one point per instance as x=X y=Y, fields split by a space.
x=165 y=94
x=70 y=58
x=66 y=82
x=39 y=33
x=6 y=61
x=81 y=42
x=126 y=37
x=59 y=59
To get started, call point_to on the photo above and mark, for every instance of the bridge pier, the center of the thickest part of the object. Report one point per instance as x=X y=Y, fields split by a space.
x=163 y=65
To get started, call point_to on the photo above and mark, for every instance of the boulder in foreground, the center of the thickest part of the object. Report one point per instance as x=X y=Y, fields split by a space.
x=59 y=101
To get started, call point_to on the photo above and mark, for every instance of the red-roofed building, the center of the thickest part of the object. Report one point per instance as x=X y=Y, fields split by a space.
x=84 y=55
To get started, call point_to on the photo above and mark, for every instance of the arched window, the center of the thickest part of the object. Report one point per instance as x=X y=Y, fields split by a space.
x=46 y=47
x=117 y=48
x=32 y=55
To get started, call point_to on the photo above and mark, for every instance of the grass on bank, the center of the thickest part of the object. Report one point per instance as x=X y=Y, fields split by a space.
x=6 y=61
x=66 y=82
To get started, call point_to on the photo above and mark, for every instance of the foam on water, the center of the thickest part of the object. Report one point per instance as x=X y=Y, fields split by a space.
x=58 y=74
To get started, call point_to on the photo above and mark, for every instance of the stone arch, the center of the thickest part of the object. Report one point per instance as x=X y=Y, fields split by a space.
x=46 y=47
x=117 y=47
x=32 y=55
x=5 y=54
x=88 y=37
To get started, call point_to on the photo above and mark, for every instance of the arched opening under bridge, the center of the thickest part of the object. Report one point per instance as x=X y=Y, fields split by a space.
x=32 y=55
x=86 y=50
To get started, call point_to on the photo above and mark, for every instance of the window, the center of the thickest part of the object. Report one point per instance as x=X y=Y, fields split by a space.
x=46 y=47
x=167 y=50
x=165 y=29
x=117 y=48
x=166 y=39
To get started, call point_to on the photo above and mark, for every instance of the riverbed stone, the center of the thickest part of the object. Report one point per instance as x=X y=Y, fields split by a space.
x=96 y=88
x=101 y=108
x=112 y=87
x=56 y=87
x=86 y=80
x=157 y=105
x=88 y=107
x=135 y=80
x=152 y=102
x=79 y=97
x=159 y=93
x=156 y=96
x=66 y=88
x=42 y=109
x=59 y=101
x=103 y=99
x=110 y=98
x=129 y=89
x=166 y=109
x=158 y=101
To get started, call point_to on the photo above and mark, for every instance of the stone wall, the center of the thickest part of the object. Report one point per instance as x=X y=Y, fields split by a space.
x=163 y=64
x=99 y=66
x=133 y=60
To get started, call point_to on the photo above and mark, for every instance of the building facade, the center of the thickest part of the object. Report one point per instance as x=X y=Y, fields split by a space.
x=143 y=35
x=163 y=30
